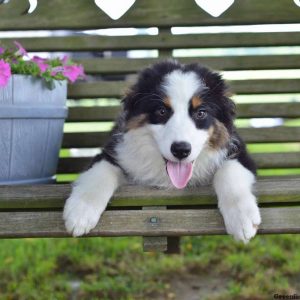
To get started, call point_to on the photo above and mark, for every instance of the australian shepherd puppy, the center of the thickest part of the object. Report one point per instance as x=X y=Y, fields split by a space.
x=175 y=130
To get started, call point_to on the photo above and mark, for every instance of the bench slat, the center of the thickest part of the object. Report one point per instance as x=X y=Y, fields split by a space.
x=269 y=191
x=245 y=110
x=138 y=223
x=250 y=135
x=115 y=89
x=161 y=41
x=59 y=14
x=263 y=161
x=115 y=66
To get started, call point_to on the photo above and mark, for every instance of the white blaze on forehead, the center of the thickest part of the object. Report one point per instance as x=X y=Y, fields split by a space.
x=181 y=87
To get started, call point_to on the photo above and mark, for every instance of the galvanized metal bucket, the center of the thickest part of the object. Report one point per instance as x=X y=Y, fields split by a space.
x=31 y=129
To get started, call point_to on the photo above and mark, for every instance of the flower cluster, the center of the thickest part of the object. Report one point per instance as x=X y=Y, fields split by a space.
x=17 y=61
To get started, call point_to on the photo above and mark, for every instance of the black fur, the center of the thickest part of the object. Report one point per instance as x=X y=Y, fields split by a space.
x=206 y=121
x=237 y=150
x=146 y=96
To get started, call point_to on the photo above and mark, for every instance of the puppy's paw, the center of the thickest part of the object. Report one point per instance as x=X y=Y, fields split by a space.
x=242 y=221
x=80 y=216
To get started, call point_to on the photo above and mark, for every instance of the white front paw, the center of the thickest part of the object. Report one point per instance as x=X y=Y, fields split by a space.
x=242 y=220
x=80 y=216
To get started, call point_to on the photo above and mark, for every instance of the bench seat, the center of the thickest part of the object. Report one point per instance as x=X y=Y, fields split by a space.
x=36 y=211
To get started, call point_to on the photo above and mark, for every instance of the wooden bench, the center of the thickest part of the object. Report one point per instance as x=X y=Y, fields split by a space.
x=162 y=216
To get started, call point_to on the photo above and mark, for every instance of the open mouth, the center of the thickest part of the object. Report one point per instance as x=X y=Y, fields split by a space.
x=180 y=173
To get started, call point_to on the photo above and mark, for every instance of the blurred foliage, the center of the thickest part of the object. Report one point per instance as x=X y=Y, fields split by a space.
x=116 y=268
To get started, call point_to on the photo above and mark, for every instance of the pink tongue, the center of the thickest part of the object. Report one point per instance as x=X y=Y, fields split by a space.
x=180 y=173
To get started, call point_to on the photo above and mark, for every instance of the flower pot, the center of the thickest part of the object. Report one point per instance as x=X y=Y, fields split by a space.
x=31 y=130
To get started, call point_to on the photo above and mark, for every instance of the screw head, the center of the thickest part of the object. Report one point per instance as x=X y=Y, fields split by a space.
x=153 y=220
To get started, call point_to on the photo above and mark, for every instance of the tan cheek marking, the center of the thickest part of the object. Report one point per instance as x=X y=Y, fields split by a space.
x=196 y=102
x=136 y=122
x=218 y=136
x=167 y=102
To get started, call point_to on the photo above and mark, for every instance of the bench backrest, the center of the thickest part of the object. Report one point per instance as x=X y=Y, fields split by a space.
x=93 y=104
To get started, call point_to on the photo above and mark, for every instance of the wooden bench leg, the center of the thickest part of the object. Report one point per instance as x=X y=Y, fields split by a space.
x=155 y=244
x=168 y=245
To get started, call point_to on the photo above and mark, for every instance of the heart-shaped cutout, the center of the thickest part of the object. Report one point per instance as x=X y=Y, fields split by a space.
x=33 y=5
x=297 y=2
x=214 y=7
x=115 y=9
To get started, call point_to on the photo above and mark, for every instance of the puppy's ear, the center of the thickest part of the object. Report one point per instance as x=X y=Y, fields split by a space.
x=228 y=113
x=219 y=91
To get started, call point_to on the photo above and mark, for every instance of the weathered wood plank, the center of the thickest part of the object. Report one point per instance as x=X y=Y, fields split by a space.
x=267 y=110
x=90 y=114
x=250 y=135
x=269 y=191
x=277 y=160
x=139 y=223
x=245 y=110
x=105 y=89
x=115 y=89
x=263 y=161
x=113 y=66
x=84 y=140
x=270 y=135
x=162 y=41
x=59 y=14
x=265 y=86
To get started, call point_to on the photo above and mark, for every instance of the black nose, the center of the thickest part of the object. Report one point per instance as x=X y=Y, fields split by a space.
x=181 y=149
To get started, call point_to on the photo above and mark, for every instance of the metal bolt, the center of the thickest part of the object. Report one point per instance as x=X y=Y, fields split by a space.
x=153 y=220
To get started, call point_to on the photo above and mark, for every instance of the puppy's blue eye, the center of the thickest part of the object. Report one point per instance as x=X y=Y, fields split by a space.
x=200 y=114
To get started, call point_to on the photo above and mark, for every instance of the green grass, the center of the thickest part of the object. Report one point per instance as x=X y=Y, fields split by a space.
x=116 y=268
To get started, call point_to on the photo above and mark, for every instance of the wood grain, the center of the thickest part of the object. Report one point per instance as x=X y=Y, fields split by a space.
x=269 y=191
x=59 y=14
x=164 y=41
x=140 y=223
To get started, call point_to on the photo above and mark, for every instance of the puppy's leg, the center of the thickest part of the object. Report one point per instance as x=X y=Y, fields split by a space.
x=90 y=195
x=233 y=183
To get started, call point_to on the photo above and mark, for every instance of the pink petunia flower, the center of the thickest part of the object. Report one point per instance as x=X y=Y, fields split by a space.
x=5 y=73
x=37 y=59
x=73 y=72
x=41 y=62
x=43 y=67
x=21 y=50
x=1 y=50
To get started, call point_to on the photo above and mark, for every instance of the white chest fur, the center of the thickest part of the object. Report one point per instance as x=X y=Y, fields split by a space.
x=140 y=157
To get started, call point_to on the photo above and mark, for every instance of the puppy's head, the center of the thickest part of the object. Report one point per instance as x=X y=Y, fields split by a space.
x=185 y=109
